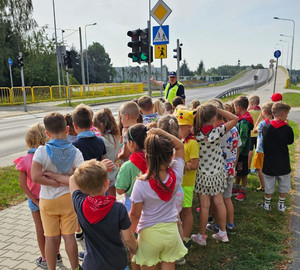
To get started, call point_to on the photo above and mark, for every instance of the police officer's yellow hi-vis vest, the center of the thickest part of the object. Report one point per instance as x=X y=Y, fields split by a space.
x=173 y=91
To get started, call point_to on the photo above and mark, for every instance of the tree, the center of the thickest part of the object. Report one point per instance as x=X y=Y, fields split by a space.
x=200 y=68
x=184 y=69
x=100 y=67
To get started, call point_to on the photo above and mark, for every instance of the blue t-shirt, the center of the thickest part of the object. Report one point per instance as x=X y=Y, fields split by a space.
x=149 y=118
x=260 y=126
x=104 y=247
x=91 y=147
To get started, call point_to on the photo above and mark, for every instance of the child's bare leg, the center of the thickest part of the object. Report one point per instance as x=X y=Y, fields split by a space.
x=238 y=180
x=154 y=267
x=187 y=221
x=250 y=159
x=261 y=178
x=167 y=266
x=203 y=217
x=51 y=251
x=230 y=210
x=71 y=249
x=111 y=191
x=39 y=232
x=220 y=211
x=244 y=181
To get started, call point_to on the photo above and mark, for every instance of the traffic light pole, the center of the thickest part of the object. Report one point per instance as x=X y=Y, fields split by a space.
x=149 y=59
x=23 y=85
x=178 y=59
x=68 y=84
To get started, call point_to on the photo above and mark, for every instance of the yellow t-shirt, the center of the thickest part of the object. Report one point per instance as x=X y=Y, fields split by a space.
x=191 y=150
x=255 y=114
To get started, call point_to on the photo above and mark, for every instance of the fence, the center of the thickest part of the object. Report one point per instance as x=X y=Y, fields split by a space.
x=14 y=95
x=245 y=88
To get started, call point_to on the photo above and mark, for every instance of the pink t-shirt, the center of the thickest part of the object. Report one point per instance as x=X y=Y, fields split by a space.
x=154 y=209
x=24 y=165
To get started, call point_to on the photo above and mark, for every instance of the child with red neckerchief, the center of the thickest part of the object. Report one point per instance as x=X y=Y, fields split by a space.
x=277 y=135
x=153 y=213
x=211 y=176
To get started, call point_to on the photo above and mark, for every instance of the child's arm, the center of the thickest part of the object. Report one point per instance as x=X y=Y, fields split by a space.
x=72 y=185
x=232 y=119
x=63 y=179
x=38 y=176
x=178 y=145
x=129 y=240
x=135 y=214
x=24 y=187
x=192 y=164
x=120 y=191
x=125 y=153
x=259 y=119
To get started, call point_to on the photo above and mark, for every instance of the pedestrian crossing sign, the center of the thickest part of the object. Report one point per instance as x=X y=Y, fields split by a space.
x=160 y=51
x=160 y=34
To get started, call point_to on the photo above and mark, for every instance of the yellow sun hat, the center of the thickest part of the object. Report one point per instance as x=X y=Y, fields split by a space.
x=184 y=117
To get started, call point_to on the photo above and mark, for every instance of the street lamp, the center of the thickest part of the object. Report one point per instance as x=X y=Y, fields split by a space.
x=86 y=55
x=291 y=65
x=287 y=56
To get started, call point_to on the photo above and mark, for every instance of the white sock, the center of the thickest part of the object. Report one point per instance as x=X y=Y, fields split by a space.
x=222 y=233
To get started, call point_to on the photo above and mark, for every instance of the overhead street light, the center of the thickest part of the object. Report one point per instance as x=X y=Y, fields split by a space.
x=287 y=56
x=86 y=55
x=293 y=37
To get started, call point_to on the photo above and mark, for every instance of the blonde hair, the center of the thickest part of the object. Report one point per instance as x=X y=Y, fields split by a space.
x=204 y=114
x=169 y=123
x=280 y=107
x=254 y=99
x=36 y=136
x=218 y=103
x=267 y=107
x=194 y=104
x=158 y=107
x=90 y=176
x=241 y=101
x=130 y=108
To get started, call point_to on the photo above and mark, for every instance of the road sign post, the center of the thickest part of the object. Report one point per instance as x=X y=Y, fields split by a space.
x=10 y=62
x=23 y=81
x=277 y=54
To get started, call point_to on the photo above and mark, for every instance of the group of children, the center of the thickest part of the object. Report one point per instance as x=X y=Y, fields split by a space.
x=156 y=157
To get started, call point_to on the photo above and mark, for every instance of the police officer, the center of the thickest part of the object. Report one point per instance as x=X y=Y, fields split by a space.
x=173 y=88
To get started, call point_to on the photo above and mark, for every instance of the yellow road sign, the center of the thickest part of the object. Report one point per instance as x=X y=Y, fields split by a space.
x=160 y=51
x=160 y=12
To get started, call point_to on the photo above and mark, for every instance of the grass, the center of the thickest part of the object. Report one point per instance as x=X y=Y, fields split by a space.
x=294 y=87
x=104 y=101
x=230 y=98
x=293 y=99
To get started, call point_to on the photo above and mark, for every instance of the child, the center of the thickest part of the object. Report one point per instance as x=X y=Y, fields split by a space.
x=153 y=214
x=159 y=107
x=147 y=109
x=104 y=221
x=136 y=164
x=266 y=114
x=57 y=213
x=244 y=126
x=129 y=113
x=211 y=177
x=194 y=104
x=191 y=157
x=276 y=137
x=169 y=124
x=168 y=108
x=34 y=137
x=177 y=101
x=87 y=142
x=72 y=136
x=255 y=111
x=106 y=124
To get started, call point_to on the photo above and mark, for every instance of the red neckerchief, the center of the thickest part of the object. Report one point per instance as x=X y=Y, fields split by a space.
x=164 y=194
x=206 y=129
x=256 y=108
x=96 y=208
x=139 y=160
x=246 y=116
x=189 y=137
x=267 y=120
x=278 y=123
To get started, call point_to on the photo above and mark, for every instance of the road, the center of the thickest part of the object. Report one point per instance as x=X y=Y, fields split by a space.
x=13 y=129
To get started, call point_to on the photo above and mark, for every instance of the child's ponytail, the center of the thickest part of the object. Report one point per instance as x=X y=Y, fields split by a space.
x=204 y=114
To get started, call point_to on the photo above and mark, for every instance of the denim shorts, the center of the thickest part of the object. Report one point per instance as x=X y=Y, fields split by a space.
x=32 y=206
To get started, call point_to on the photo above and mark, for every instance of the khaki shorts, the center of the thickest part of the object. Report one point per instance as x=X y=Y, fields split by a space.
x=58 y=216
x=258 y=161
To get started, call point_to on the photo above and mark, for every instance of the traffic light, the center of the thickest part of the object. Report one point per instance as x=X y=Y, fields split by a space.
x=135 y=45
x=178 y=51
x=20 y=61
x=144 y=34
x=67 y=59
x=239 y=62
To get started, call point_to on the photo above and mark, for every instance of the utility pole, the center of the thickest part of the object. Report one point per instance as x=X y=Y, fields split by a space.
x=23 y=81
x=82 y=61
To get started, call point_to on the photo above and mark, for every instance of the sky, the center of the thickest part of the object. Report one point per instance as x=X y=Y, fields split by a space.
x=216 y=31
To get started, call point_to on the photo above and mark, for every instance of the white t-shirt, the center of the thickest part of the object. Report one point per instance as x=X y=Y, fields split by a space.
x=154 y=209
x=48 y=192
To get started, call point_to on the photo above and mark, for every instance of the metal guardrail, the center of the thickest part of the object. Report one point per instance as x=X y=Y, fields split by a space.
x=10 y=96
x=246 y=88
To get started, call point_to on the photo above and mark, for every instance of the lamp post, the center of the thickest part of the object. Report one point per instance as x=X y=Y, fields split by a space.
x=287 y=56
x=86 y=55
x=293 y=37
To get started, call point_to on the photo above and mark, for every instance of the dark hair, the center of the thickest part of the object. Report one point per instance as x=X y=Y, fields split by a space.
x=106 y=117
x=204 y=114
x=241 y=101
x=169 y=123
x=218 y=103
x=137 y=134
x=82 y=116
x=145 y=103
x=168 y=106
x=177 y=101
x=158 y=151
x=55 y=122
x=194 y=104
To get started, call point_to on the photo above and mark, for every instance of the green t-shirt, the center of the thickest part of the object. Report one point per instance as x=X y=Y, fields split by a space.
x=127 y=176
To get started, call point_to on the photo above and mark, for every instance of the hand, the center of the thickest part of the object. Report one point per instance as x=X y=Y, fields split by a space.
x=133 y=252
x=51 y=175
x=36 y=202
x=108 y=164
x=152 y=79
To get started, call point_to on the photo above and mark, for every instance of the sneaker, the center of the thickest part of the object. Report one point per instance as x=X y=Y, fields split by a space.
x=281 y=207
x=43 y=264
x=260 y=189
x=253 y=171
x=201 y=240
x=181 y=261
x=188 y=244
x=58 y=258
x=211 y=227
x=241 y=196
x=81 y=255
x=235 y=192
x=79 y=236
x=230 y=230
x=223 y=239
x=264 y=206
